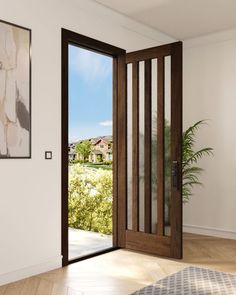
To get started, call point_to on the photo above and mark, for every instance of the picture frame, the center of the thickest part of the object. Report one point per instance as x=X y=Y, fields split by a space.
x=15 y=91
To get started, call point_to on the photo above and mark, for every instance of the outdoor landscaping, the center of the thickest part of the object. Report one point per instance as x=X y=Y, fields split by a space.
x=90 y=198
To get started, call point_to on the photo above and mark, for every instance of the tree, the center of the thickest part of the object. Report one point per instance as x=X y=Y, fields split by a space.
x=84 y=149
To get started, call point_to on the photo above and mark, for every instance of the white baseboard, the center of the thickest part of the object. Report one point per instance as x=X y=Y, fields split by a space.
x=52 y=263
x=209 y=231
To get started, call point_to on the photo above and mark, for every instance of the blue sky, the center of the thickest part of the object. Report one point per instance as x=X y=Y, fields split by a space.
x=90 y=94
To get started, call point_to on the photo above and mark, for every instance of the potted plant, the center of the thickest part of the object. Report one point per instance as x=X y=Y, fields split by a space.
x=190 y=170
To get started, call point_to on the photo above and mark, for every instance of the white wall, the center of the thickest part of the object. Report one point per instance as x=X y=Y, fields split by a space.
x=210 y=93
x=30 y=198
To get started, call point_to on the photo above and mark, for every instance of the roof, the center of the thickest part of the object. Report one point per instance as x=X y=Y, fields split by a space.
x=94 y=140
x=106 y=139
x=101 y=139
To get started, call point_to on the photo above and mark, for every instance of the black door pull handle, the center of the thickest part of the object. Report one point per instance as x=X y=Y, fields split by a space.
x=175 y=175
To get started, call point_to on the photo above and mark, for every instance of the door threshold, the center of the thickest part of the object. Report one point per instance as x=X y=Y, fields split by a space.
x=93 y=255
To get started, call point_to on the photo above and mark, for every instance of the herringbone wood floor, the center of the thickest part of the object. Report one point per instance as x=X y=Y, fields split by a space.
x=122 y=272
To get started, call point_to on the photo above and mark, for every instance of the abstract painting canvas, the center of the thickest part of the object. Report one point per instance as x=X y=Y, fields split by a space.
x=15 y=91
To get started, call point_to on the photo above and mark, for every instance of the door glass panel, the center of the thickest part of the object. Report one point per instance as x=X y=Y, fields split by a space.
x=141 y=146
x=167 y=144
x=129 y=147
x=154 y=145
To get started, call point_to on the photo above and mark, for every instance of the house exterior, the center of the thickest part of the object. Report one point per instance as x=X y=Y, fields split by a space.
x=101 y=151
x=72 y=154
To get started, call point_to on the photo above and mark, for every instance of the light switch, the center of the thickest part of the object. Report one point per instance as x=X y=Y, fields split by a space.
x=48 y=155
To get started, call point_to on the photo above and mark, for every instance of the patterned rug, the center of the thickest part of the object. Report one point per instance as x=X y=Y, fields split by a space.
x=193 y=281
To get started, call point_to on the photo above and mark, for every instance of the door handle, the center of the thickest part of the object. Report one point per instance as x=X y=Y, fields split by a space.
x=175 y=175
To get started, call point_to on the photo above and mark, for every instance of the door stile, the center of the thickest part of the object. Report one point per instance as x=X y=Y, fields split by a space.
x=122 y=150
x=176 y=150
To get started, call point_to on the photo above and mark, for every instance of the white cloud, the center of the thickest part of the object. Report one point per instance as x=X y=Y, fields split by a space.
x=89 y=64
x=106 y=123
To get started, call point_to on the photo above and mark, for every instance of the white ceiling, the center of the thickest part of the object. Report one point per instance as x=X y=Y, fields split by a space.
x=181 y=19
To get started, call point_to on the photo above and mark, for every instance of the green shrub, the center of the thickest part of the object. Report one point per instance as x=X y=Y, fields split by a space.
x=108 y=162
x=90 y=199
x=99 y=159
x=74 y=161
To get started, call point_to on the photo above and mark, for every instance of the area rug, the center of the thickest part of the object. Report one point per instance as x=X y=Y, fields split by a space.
x=193 y=281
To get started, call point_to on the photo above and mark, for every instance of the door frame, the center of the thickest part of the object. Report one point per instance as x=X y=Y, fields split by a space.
x=118 y=54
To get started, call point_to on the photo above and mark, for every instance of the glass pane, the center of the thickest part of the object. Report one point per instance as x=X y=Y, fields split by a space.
x=141 y=146
x=167 y=143
x=129 y=146
x=154 y=146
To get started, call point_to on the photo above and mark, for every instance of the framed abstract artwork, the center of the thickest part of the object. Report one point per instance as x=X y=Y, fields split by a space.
x=15 y=91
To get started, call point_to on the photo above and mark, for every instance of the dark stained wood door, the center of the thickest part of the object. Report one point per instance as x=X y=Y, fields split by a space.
x=149 y=182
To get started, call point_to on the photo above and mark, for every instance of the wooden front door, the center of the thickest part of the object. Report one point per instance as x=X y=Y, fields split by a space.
x=149 y=182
